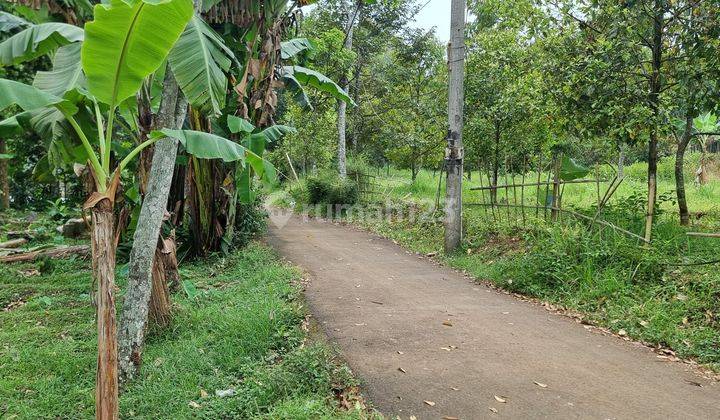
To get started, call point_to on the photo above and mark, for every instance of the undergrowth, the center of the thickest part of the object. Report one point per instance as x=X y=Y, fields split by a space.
x=236 y=326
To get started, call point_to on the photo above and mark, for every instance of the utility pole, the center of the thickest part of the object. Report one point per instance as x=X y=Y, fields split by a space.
x=454 y=150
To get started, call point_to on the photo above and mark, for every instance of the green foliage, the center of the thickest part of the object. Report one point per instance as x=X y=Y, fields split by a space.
x=295 y=46
x=38 y=40
x=205 y=145
x=30 y=98
x=298 y=76
x=66 y=73
x=199 y=61
x=329 y=189
x=250 y=221
x=127 y=42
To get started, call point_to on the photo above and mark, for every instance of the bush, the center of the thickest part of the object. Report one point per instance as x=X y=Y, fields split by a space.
x=250 y=221
x=325 y=189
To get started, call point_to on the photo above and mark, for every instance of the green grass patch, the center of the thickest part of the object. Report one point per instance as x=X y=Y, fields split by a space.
x=240 y=329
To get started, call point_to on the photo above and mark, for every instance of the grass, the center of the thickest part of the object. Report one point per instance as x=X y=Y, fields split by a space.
x=240 y=327
x=607 y=276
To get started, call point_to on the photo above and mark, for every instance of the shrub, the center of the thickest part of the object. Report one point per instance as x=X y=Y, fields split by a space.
x=326 y=189
x=250 y=221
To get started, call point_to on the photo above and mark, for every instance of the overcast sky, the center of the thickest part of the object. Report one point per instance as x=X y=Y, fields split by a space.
x=436 y=13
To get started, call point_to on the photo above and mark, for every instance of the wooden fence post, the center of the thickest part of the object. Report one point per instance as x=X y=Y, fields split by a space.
x=556 y=188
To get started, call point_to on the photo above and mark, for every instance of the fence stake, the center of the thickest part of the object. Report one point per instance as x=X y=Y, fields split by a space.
x=507 y=188
x=537 y=190
x=556 y=188
x=522 y=189
x=482 y=192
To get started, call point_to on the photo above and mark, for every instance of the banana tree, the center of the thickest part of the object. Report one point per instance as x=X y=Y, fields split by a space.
x=705 y=126
x=259 y=26
x=124 y=44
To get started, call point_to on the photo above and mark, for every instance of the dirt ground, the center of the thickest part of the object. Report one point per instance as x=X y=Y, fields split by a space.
x=427 y=342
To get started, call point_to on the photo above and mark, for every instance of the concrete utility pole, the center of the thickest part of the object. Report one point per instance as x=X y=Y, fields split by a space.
x=454 y=150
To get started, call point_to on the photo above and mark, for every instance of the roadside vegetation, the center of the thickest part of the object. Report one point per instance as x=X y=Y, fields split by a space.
x=238 y=346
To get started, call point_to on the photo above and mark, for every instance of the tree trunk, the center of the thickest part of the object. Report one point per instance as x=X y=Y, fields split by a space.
x=103 y=255
x=135 y=305
x=159 y=311
x=4 y=179
x=496 y=164
x=454 y=151
x=679 y=173
x=342 y=106
x=654 y=101
x=621 y=162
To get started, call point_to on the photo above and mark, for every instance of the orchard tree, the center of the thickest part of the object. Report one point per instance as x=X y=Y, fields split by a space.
x=505 y=109
x=417 y=79
x=623 y=78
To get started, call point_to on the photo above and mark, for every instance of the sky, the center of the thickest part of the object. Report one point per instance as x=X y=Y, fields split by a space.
x=436 y=13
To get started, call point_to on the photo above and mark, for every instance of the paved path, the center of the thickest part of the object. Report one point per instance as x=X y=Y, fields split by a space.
x=387 y=309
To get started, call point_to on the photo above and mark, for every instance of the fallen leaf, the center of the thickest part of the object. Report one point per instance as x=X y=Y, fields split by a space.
x=399 y=352
x=225 y=392
x=500 y=399
x=30 y=272
x=644 y=323
x=376 y=302
x=697 y=384
x=622 y=333
x=203 y=393
x=430 y=403
x=447 y=323
x=450 y=418
x=413 y=418
x=540 y=384
x=193 y=404
x=493 y=409
x=402 y=370
x=454 y=389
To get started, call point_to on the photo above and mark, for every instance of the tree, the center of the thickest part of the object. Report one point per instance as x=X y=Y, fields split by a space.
x=506 y=110
x=454 y=151
x=632 y=51
x=416 y=78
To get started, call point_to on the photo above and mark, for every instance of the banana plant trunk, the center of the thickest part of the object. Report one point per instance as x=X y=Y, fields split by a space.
x=4 y=179
x=103 y=262
x=207 y=204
